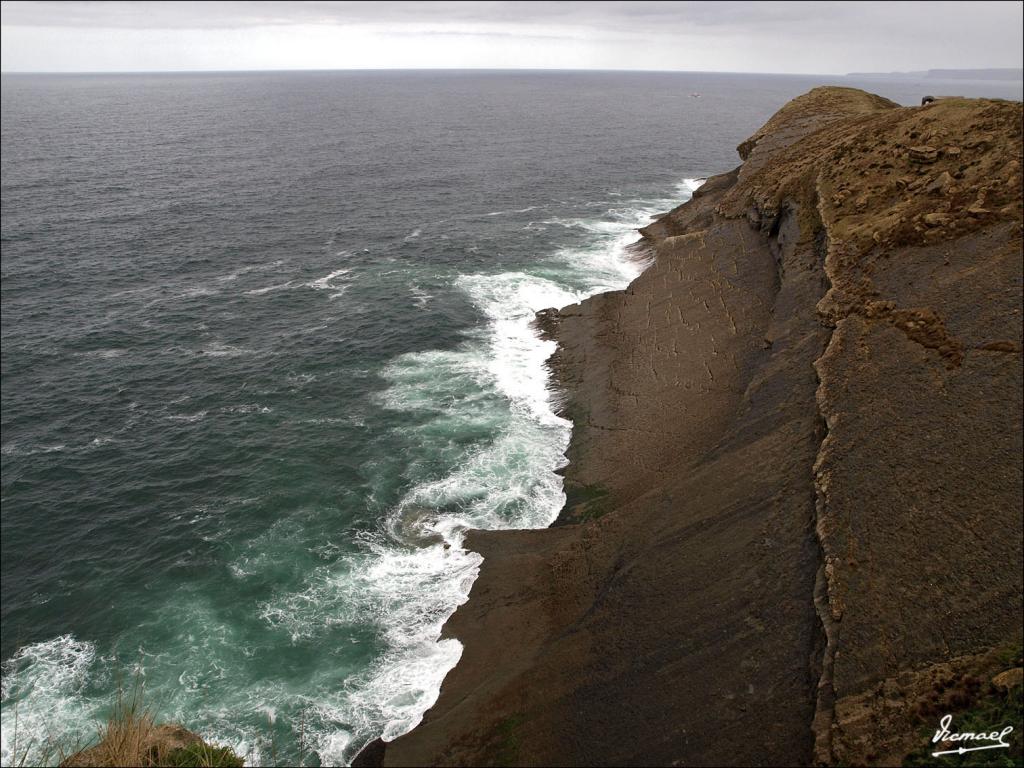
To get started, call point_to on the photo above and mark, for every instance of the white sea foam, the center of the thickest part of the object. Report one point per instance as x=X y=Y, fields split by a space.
x=14 y=449
x=198 y=290
x=515 y=354
x=327 y=282
x=220 y=349
x=300 y=379
x=189 y=418
x=42 y=687
x=513 y=210
x=408 y=594
x=419 y=296
x=415 y=577
x=231 y=277
x=103 y=354
x=333 y=282
x=269 y=288
x=246 y=408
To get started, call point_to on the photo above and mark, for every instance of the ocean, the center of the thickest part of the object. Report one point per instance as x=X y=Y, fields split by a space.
x=267 y=355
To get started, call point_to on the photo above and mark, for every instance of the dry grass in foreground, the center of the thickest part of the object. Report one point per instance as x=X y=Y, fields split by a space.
x=131 y=737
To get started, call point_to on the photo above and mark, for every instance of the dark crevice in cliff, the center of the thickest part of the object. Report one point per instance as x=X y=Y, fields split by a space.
x=776 y=243
x=782 y=230
x=823 y=657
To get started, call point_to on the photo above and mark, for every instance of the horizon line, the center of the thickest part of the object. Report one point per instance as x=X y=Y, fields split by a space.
x=909 y=73
x=400 y=69
x=890 y=74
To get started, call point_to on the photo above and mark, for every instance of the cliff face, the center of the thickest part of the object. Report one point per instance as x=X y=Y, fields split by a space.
x=794 y=496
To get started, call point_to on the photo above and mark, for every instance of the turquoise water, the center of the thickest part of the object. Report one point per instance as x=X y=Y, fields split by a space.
x=267 y=355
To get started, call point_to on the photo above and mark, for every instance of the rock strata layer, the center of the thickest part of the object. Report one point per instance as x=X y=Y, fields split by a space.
x=795 y=471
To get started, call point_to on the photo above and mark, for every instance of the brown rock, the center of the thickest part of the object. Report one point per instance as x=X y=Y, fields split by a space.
x=999 y=346
x=1011 y=678
x=923 y=154
x=980 y=141
x=937 y=219
x=942 y=185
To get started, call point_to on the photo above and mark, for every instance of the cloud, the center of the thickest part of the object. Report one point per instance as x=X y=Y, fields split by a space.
x=637 y=15
x=733 y=35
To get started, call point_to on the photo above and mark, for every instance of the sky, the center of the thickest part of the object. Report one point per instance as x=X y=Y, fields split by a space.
x=779 y=37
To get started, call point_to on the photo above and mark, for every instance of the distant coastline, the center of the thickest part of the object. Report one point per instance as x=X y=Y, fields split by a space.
x=1005 y=74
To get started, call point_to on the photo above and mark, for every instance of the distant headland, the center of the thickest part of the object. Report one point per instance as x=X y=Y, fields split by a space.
x=1007 y=74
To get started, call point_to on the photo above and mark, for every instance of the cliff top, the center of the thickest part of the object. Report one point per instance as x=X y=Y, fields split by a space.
x=876 y=174
x=815 y=109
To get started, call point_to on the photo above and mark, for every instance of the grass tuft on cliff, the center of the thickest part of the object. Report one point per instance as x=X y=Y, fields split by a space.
x=131 y=737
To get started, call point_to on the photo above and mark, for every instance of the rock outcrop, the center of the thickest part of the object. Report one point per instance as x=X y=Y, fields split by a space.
x=794 y=490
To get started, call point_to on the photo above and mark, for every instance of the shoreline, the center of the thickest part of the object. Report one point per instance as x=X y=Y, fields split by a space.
x=510 y=302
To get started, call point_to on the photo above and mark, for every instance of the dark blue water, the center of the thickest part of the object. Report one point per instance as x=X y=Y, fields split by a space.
x=266 y=354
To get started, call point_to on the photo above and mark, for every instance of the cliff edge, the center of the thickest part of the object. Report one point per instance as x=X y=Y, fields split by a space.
x=794 y=492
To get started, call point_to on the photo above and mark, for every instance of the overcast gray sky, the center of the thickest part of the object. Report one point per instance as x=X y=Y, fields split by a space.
x=797 y=37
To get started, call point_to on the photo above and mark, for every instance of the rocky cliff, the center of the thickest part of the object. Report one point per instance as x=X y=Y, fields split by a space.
x=794 y=490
